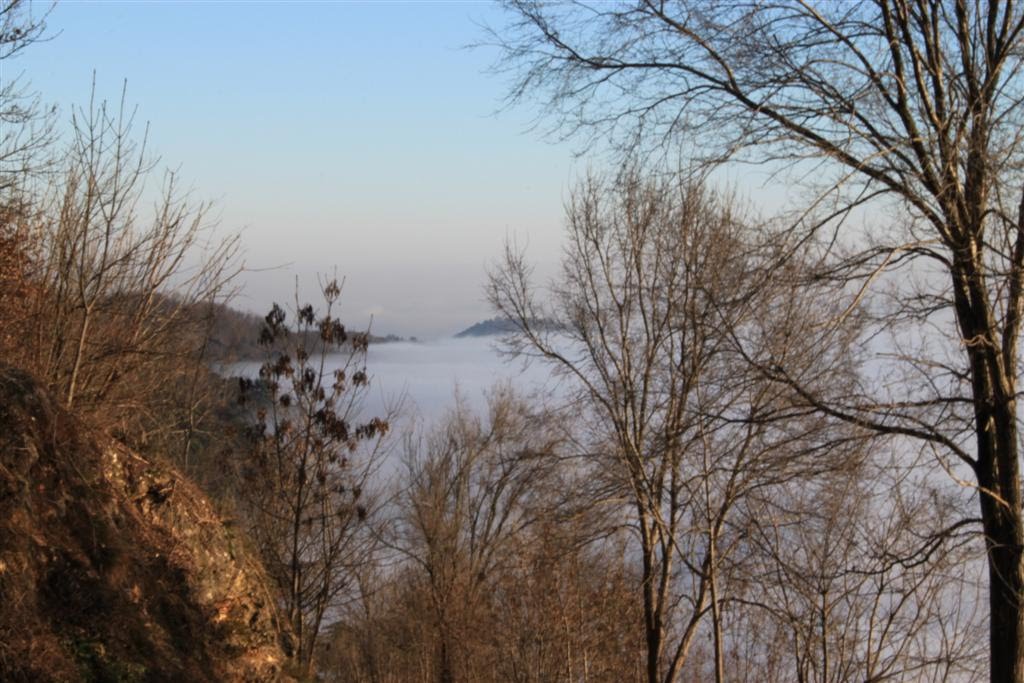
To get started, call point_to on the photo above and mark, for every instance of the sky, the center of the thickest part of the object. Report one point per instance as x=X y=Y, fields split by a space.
x=357 y=138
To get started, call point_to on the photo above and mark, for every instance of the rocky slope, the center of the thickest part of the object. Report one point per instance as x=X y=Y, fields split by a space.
x=113 y=568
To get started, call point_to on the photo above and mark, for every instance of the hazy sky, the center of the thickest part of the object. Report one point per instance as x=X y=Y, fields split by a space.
x=352 y=135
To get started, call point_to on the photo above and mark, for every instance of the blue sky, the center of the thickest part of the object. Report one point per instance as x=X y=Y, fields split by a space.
x=360 y=136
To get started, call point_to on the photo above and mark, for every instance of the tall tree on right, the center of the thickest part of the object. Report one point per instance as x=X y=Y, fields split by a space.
x=904 y=114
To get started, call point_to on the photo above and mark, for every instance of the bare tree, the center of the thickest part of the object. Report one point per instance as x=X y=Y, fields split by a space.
x=309 y=496
x=654 y=278
x=108 y=306
x=26 y=126
x=115 y=312
x=25 y=133
x=472 y=491
x=571 y=612
x=908 y=111
x=502 y=570
x=830 y=594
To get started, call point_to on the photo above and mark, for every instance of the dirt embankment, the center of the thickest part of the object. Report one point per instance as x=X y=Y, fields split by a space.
x=114 y=568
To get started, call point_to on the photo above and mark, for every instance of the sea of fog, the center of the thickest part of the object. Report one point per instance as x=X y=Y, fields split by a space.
x=426 y=376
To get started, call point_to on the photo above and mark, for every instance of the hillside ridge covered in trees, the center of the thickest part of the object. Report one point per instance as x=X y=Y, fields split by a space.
x=234 y=334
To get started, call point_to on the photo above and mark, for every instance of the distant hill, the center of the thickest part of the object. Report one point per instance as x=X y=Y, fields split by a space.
x=501 y=326
x=488 y=328
x=234 y=334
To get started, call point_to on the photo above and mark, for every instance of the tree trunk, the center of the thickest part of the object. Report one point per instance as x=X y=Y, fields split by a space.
x=76 y=365
x=998 y=472
x=652 y=606
x=1003 y=540
x=716 y=617
x=446 y=671
x=997 y=468
x=997 y=465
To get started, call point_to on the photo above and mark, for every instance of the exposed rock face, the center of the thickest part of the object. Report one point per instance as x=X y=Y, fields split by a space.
x=113 y=568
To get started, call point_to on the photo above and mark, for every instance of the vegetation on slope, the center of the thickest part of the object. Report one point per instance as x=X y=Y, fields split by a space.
x=115 y=567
